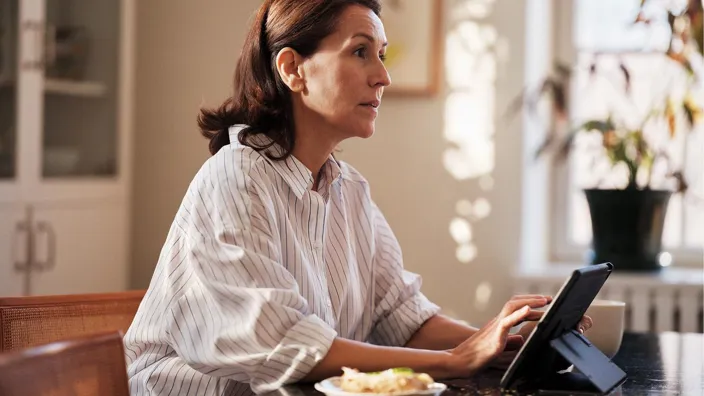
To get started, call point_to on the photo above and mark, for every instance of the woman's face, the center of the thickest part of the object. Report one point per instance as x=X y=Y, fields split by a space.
x=345 y=78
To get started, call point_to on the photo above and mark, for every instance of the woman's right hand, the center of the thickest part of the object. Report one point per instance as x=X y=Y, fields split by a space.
x=491 y=340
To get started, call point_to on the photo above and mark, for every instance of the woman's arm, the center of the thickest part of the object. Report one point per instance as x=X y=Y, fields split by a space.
x=440 y=333
x=464 y=360
x=428 y=351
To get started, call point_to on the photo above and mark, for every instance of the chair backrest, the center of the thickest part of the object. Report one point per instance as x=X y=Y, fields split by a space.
x=31 y=321
x=90 y=365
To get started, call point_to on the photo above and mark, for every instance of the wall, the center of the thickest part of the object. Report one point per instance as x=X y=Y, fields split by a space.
x=185 y=57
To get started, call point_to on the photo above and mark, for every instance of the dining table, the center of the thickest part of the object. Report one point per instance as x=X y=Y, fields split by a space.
x=655 y=364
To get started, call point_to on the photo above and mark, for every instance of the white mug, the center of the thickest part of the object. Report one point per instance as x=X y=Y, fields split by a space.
x=609 y=320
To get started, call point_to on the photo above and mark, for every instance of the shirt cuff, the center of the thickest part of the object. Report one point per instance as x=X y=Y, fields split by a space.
x=398 y=328
x=304 y=346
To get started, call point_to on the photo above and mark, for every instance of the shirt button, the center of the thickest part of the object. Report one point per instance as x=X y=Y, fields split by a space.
x=328 y=303
x=317 y=246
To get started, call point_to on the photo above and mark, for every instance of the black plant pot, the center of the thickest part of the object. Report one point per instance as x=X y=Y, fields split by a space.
x=627 y=227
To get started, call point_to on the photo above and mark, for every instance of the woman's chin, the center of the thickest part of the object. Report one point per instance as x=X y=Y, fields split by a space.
x=365 y=132
x=360 y=130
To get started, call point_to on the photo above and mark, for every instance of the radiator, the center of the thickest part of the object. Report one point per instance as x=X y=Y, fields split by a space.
x=667 y=301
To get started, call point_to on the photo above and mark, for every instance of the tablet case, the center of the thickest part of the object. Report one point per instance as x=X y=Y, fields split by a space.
x=599 y=375
x=596 y=368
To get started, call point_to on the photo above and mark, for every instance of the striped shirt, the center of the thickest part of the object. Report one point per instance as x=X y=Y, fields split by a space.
x=259 y=274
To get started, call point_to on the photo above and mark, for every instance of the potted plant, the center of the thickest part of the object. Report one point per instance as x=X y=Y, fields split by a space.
x=628 y=218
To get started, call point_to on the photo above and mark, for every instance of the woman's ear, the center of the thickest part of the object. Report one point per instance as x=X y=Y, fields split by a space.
x=288 y=64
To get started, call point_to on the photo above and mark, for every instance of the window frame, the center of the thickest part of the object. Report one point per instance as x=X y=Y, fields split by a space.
x=561 y=248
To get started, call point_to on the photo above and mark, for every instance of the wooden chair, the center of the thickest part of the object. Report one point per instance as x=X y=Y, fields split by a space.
x=90 y=365
x=31 y=321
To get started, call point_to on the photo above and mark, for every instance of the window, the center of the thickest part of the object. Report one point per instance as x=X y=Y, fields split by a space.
x=601 y=34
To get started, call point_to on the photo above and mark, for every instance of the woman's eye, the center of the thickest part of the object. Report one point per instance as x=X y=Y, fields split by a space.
x=382 y=57
x=361 y=52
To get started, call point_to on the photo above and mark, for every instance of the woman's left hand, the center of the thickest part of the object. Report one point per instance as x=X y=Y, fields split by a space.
x=504 y=360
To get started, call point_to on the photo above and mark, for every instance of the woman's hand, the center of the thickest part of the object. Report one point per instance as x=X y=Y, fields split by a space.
x=514 y=344
x=583 y=325
x=506 y=357
x=492 y=340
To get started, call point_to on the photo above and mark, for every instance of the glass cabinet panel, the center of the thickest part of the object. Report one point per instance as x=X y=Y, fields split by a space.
x=80 y=105
x=8 y=92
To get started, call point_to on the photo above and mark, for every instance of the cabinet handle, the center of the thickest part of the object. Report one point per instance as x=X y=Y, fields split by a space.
x=21 y=228
x=50 y=263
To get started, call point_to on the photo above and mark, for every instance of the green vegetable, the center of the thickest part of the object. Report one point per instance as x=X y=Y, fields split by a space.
x=397 y=370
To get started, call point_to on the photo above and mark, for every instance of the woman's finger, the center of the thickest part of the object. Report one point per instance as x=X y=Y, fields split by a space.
x=535 y=315
x=513 y=306
x=530 y=297
x=519 y=301
x=514 y=342
x=584 y=324
x=588 y=322
x=515 y=318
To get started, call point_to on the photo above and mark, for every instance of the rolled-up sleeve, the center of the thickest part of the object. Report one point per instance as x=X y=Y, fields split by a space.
x=400 y=307
x=243 y=317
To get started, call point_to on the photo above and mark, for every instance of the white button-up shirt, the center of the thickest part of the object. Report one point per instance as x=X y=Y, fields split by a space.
x=259 y=274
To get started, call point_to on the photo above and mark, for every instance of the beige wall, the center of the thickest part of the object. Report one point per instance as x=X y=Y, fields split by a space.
x=185 y=56
x=186 y=53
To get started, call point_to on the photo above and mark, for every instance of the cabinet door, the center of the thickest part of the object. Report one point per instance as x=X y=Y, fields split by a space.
x=82 y=247
x=9 y=14
x=20 y=94
x=83 y=132
x=13 y=250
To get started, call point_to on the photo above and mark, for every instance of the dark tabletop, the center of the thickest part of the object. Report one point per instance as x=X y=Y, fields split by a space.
x=656 y=364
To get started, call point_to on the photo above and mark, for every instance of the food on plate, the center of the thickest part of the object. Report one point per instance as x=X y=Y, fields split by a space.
x=396 y=380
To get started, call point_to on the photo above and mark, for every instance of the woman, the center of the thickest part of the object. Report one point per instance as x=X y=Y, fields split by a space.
x=278 y=267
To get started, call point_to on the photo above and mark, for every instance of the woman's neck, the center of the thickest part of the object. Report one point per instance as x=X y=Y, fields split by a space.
x=314 y=144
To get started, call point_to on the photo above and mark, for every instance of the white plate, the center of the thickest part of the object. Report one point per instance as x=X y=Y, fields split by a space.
x=331 y=387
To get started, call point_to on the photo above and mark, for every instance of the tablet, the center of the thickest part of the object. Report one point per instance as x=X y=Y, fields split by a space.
x=537 y=359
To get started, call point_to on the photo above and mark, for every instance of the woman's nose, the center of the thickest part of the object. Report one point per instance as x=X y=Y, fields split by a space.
x=381 y=77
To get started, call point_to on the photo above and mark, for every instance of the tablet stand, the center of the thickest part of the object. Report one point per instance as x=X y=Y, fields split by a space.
x=598 y=373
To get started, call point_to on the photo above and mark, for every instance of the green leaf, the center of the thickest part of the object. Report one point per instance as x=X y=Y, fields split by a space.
x=618 y=154
x=689 y=113
x=599 y=125
x=647 y=160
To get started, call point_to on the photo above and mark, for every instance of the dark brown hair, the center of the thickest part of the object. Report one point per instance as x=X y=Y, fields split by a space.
x=260 y=98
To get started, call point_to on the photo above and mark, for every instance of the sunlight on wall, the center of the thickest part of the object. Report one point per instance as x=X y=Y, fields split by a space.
x=461 y=227
x=472 y=9
x=482 y=208
x=461 y=230
x=486 y=182
x=466 y=252
x=464 y=207
x=482 y=296
x=469 y=128
x=473 y=50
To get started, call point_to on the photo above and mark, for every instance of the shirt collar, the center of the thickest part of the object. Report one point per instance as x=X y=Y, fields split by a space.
x=294 y=173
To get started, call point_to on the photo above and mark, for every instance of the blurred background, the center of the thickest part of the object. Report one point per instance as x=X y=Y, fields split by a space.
x=98 y=142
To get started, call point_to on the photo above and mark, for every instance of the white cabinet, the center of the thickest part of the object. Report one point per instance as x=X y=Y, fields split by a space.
x=65 y=134
x=82 y=246
x=13 y=251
